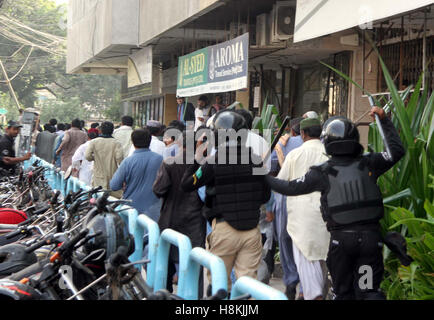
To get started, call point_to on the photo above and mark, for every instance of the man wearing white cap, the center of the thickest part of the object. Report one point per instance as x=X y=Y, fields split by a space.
x=311 y=115
x=156 y=145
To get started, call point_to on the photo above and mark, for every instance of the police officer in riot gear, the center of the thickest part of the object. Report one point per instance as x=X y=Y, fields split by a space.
x=234 y=195
x=351 y=204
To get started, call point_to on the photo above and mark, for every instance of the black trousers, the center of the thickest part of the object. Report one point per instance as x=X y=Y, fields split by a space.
x=269 y=257
x=355 y=262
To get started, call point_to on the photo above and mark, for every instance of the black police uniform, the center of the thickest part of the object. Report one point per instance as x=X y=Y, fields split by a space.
x=233 y=193
x=7 y=150
x=351 y=205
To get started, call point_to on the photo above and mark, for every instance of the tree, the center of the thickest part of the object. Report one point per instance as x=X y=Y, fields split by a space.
x=64 y=112
x=47 y=71
x=97 y=92
x=7 y=103
x=113 y=112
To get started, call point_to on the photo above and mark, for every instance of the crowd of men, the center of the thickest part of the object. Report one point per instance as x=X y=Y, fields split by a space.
x=323 y=213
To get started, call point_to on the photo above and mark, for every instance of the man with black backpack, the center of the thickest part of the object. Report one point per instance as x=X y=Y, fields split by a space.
x=351 y=204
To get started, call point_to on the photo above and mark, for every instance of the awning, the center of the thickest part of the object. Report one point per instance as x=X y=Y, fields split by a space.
x=315 y=18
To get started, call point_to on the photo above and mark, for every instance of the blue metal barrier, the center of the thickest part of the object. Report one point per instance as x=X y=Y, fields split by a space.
x=256 y=289
x=219 y=279
x=190 y=259
x=183 y=243
x=138 y=224
x=153 y=236
x=55 y=177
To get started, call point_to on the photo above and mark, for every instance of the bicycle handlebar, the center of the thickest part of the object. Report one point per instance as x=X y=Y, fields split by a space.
x=102 y=201
x=38 y=244
x=82 y=192
x=28 y=221
x=15 y=233
x=55 y=197
x=219 y=295
x=117 y=258
x=69 y=245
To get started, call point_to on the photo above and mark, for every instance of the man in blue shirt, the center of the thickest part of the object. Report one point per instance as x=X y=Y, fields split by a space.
x=138 y=173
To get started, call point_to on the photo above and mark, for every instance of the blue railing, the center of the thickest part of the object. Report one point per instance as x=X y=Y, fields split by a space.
x=182 y=242
x=201 y=257
x=190 y=259
x=257 y=289
x=138 y=226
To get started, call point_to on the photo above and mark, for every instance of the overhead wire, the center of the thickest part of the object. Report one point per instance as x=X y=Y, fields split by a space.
x=22 y=67
x=18 y=32
x=44 y=34
x=15 y=53
x=27 y=36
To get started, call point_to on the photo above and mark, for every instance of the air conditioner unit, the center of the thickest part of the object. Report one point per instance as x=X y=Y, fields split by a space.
x=271 y=23
x=284 y=20
x=261 y=30
x=236 y=29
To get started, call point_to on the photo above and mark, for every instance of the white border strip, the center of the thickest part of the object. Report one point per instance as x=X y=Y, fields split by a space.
x=214 y=87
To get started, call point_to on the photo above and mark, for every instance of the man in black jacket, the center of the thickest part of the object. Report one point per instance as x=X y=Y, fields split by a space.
x=234 y=195
x=180 y=211
x=351 y=205
x=185 y=111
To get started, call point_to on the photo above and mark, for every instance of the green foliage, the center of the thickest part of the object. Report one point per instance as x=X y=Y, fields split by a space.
x=113 y=112
x=64 y=112
x=47 y=71
x=408 y=189
x=269 y=118
x=417 y=280
x=7 y=103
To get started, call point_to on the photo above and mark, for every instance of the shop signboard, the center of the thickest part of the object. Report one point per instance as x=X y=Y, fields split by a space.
x=219 y=68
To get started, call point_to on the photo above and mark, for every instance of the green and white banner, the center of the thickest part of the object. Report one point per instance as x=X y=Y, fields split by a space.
x=213 y=69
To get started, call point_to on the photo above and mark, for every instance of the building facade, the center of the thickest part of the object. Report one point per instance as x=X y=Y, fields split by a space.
x=142 y=40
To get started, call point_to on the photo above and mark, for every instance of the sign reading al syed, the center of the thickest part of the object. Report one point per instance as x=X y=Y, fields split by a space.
x=218 y=68
x=193 y=69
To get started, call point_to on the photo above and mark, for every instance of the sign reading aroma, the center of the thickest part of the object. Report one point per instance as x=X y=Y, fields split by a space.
x=218 y=68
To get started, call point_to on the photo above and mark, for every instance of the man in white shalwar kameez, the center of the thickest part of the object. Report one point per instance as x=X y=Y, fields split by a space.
x=305 y=224
x=80 y=163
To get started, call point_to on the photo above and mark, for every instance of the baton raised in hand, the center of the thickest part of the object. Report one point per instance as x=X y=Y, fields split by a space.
x=277 y=137
x=380 y=129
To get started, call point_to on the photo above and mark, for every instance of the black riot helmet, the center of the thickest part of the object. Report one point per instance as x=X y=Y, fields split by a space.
x=227 y=123
x=341 y=137
x=228 y=119
x=113 y=234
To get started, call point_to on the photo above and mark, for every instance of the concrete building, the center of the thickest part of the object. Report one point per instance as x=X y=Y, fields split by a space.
x=143 y=39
